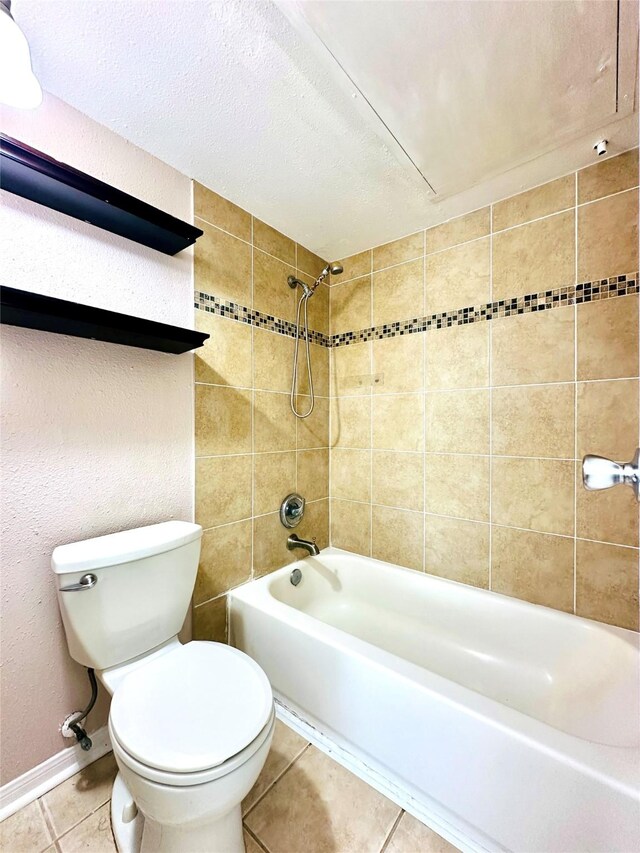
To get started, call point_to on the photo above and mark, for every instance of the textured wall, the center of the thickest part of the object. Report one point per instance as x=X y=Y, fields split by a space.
x=456 y=442
x=250 y=449
x=95 y=437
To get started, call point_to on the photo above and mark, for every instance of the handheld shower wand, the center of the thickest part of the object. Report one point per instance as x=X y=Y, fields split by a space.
x=307 y=293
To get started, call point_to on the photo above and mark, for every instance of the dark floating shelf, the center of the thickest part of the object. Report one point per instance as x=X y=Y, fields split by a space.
x=31 y=174
x=49 y=314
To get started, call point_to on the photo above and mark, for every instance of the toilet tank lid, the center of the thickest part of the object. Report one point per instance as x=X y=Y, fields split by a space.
x=123 y=547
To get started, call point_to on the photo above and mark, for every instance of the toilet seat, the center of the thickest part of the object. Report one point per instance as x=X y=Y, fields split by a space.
x=187 y=713
x=167 y=778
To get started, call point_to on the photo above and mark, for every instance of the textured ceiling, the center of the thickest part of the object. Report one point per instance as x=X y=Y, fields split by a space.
x=266 y=105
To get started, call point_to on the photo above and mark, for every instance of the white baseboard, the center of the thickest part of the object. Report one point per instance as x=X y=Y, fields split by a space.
x=456 y=835
x=36 y=782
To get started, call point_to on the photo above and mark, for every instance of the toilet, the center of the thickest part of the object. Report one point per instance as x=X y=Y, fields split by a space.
x=190 y=725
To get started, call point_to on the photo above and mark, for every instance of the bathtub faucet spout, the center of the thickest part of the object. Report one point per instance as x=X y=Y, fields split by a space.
x=294 y=542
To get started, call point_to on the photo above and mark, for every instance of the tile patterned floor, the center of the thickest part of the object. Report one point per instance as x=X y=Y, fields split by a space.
x=303 y=802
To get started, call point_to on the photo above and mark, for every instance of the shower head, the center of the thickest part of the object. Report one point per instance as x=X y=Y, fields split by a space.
x=293 y=282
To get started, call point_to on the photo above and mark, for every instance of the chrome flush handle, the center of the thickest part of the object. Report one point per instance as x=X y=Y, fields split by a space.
x=85 y=582
x=601 y=473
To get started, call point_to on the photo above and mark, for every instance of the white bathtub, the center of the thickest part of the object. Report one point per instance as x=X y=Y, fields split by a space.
x=504 y=725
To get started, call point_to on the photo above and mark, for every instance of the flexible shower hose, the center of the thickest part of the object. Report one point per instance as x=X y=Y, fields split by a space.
x=294 y=380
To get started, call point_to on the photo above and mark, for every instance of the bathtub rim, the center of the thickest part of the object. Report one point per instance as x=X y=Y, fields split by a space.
x=618 y=766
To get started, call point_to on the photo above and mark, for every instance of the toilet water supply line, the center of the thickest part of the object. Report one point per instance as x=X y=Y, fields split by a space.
x=80 y=734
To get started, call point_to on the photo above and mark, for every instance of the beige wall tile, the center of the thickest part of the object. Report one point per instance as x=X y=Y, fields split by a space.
x=210 y=620
x=609 y=516
x=225 y=560
x=270 y=545
x=608 y=419
x=457 y=550
x=223 y=489
x=320 y=370
x=313 y=473
x=269 y=240
x=222 y=420
x=608 y=338
x=354 y=267
x=457 y=357
x=457 y=422
x=351 y=370
x=398 y=293
x=350 y=815
x=533 y=566
x=351 y=526
x=221 y=212
x=351 y=474
x=222 y=265
x=397 y=536
x=308 y=262
x=398 y=422
x=274 y=425
x=457 y=486
x=537 y=347
x=273 y=360
x=608 y=237
x=400 y=364
x=460 y=230
x=315 y=524
x=535 y=420
x=274 y=477
x=351 y=422
x=399 y=251
x=607 y=583
x=533 y=493
x=314 y=430
x=350 y=305
x=534 y=257
x=608 y=177
x=25 y=831
x=225 y=359
x=271 y=293
x=532 y=204
x=458 y=277
x=397 y=479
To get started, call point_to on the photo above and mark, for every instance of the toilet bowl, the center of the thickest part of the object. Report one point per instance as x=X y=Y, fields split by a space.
x=190 y=725
x=190 y=732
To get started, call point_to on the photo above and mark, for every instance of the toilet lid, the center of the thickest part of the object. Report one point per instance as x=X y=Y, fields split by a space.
x=191 y=709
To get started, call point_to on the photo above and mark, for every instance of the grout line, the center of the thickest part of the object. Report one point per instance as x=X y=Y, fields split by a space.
x=495 y=524
x=255 y=838
x=277 y=779
x=575 y=406
x=370 y=395
x=425 y=366
x=48 y=821
x=391 y=832
x=491 y=392
x=253 y=425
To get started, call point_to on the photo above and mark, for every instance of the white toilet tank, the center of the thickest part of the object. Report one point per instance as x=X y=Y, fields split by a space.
x=144 y=580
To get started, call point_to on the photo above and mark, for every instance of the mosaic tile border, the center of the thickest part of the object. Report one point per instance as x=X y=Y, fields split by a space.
x=588 y=291
x=212 y=305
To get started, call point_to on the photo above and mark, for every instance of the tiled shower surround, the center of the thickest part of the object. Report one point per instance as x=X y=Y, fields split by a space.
x=472 y=365
x=250 y=449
